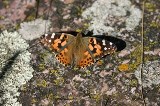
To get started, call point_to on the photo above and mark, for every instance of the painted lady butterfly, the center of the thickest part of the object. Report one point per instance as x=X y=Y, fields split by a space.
x=76 y=49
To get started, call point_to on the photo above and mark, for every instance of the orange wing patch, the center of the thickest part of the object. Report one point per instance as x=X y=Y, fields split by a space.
x=87 y=60
x=95 y=47
x=100 y=47
x=55 y=41
x=63 y=57
x=98 y=50
x=55 y=44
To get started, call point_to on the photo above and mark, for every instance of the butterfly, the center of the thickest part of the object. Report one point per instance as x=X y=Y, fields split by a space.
x=79 y=49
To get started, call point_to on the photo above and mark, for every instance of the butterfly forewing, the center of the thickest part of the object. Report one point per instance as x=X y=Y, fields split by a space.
x=56 y=42
x=100 y=47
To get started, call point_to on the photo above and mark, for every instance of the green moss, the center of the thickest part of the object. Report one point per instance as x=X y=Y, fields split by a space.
x=96 y=97
x=80 y=11
x=6 y=2
x=1 y=17
x=70 y=97
x=42 y=83
x=50 y=96
x=76 y=10
x=33 y=101
x=54 y=72
x=78 y=30
x=41 y=66
x=17 y=26
x=137 y=53
x=87 y=73
x=67 y=105
x=133 y=82
x=136 y=58
x=57 y=97
x=150 y=7
x=154 y=24
x=2 y=27
x=30 y=17
x=59 y=81
x=86 y=25
x=42 y=56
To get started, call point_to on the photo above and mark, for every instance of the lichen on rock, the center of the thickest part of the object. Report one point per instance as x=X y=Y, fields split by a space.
x=150 y=75
x=34 y=29
x=19 y=72
x=108 y=15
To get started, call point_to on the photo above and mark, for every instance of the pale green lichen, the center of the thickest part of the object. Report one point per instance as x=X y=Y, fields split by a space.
x=59 y=81
x=19 y=72
x=42 y=83
x=34 y=29
x=135 y=56
x=150 y=75
x=106 y=14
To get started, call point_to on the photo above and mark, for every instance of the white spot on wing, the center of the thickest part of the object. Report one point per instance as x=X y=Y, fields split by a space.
x=110 y=43
x=46 y=34
x=103 y=42
x=49 y=41
x=53 y=34
x=105 y=48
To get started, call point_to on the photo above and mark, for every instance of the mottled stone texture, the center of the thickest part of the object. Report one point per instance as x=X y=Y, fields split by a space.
x=113 y=81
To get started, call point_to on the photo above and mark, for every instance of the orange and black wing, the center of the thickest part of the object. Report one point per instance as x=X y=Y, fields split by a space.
x=58 y=43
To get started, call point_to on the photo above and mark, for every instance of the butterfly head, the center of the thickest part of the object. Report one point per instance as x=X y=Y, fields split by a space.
x=79 y=36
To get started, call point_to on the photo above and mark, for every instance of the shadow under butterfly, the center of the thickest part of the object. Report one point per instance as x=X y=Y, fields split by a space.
x=77 y=49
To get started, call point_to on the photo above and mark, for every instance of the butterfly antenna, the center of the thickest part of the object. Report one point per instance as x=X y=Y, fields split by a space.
x=48 y=12
x=142 y=56
x=37 y=8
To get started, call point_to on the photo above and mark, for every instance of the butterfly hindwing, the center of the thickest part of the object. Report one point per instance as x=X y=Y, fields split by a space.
x=86 y=59
x=64 y=57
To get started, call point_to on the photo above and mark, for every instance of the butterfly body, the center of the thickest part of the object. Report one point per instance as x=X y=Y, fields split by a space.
x=77 y=50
